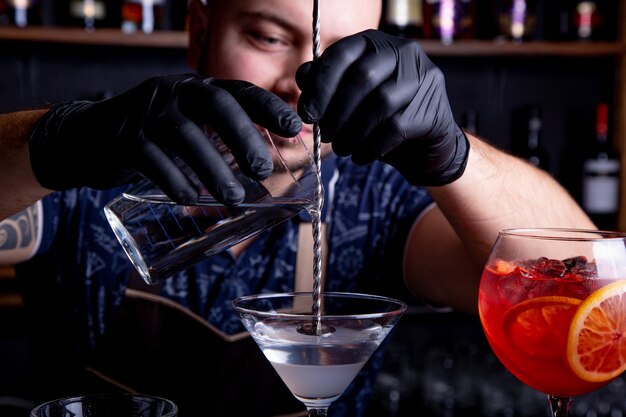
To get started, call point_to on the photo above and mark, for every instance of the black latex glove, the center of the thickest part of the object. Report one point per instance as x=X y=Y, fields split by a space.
x=376 y=96
x=107 y=143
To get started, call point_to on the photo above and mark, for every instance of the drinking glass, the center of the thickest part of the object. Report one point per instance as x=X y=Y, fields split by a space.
x=552 y=304
x=317 y=355
x=161 y=237
x=107 y=405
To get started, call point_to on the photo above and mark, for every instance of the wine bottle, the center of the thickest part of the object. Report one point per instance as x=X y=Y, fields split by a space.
x=535 y=153
x=526 y=133
x=403 y=18
x=601 y=167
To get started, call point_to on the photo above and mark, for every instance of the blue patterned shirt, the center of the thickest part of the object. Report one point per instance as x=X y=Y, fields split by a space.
x=368 y=211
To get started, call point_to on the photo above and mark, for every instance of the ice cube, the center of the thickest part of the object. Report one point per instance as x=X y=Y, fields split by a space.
x=548 y=268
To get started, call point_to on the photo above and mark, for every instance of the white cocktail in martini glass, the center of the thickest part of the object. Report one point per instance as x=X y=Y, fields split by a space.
x=318 y=355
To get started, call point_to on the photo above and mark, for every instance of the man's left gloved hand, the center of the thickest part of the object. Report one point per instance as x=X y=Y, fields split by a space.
x=145 y=129
x=376 y=96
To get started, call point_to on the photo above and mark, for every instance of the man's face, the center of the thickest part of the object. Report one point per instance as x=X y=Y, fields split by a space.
x=265 y=41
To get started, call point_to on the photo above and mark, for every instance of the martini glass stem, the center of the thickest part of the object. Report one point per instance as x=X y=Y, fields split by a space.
x=317 y=412
x=560 y=406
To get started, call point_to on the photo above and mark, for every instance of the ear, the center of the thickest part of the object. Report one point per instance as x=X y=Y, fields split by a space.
x=198 y=15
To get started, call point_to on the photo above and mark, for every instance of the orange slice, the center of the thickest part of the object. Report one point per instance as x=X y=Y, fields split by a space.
x=538 y=326
x=596 y=347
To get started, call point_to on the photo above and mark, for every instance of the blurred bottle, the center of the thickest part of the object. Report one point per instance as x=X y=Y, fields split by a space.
x=527 y=128
x=515 y=19
x=144 y=15
x=582 y=19
x=588 y=20
x=601 y=167
x=535 y=153
x=403 y=18
x=22 y=13
x=90 y=14
x=88 y=11
x=448 y=20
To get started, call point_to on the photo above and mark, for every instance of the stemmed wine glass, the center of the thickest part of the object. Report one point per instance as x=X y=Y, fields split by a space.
x=552 y=303
x=317 y=355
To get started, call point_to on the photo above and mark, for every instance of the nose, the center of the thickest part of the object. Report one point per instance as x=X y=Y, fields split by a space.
x=286 y=87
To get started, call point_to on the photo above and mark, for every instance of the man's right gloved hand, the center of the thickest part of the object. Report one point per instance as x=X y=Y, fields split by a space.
x=377 y=96
x=107 y=143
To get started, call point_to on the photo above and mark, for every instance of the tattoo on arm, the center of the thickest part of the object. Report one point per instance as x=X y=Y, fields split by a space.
x=20 y=235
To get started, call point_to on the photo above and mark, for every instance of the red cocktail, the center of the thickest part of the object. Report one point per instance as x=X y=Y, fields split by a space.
x=553 y=307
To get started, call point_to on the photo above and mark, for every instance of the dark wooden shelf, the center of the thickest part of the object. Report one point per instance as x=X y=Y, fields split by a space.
x=105 y=37
x=178 y=40
x=476 y=48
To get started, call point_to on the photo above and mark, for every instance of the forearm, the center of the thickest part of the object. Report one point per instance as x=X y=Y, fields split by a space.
x=18 y=186
x=496 y=191
x=500 y=191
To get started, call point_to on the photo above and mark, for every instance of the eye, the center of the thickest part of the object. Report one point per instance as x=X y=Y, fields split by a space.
x=267 y=41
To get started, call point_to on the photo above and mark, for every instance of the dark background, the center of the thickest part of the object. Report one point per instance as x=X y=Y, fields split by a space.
x=437 y=363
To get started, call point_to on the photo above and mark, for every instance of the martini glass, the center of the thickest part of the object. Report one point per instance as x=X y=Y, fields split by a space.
x=552 y=303
x=318 y=355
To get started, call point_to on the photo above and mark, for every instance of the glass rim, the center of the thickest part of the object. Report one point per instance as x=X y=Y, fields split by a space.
x=401 y=306
x=563 y=234
x=172 y=412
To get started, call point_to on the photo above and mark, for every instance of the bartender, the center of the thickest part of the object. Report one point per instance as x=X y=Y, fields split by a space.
x=412 y=202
